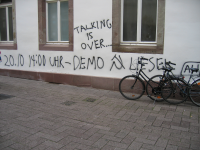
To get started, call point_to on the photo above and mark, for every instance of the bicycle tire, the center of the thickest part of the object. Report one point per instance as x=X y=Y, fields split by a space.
x=194 y=92
x=131 y=87
x=153 y=88
x=175 y=91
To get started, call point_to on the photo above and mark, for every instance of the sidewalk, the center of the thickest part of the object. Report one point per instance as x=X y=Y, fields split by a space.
x=38 y=115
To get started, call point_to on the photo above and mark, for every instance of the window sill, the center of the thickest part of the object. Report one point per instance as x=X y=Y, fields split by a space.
x=138 y=48
x=56 y=47
x=8 y=46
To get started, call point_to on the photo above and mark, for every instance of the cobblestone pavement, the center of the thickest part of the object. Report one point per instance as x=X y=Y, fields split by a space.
x=39 y=115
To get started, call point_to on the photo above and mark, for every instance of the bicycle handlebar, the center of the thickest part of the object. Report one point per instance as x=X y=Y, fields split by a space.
x=168 y=63
x=140 y=61
x=144 y=58
x=194 y=69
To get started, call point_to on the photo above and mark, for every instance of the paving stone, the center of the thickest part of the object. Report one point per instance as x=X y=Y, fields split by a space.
x=112 y=138
x=135 y=146
x=122 y=134
x=53 y=145
x=100 y=143
x=36 y=118
x=128 y=140
x=171 y=147
x=48 y=136
x=152 y=147
x=108 y=147
x=157 y=123
x=176 y=143
x=162 y=142
x=146 y=141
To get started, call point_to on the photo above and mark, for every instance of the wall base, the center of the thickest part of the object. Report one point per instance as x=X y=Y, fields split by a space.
x=77 y=80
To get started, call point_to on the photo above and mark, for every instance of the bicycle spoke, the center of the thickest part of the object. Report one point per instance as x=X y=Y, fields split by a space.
x=176 y=92
x=153 y=88
x=131 y=87
x=194 y=92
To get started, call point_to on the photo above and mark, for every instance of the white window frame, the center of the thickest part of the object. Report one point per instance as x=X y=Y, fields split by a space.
x=7 y=5
x=139 y=27
x=58 y=21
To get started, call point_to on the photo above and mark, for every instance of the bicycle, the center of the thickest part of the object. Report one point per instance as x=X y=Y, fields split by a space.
x=178 y=90
x=132 y=86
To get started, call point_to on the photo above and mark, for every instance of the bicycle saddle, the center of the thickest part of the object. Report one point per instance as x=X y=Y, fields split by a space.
x=194 y=69
x=167 y=68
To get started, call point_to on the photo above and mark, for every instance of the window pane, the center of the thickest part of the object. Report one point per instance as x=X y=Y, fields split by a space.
x=130 y=20
x=3 y=28
x=64 y=21
x=52 y=22
x=10 y=23
x=149 y=13
x=5 y=1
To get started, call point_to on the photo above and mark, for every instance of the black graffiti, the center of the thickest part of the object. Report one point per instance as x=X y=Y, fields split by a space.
x=10 y=61
x=133 y=65
x=119 y=61
x=57 y=61
x=94 y=25
x=89 y=35
x=160 y=62
x=152 y=64
x=190 y=64
x=37 y=59
x=96 y=44
x=80 y=62
x=41 y=60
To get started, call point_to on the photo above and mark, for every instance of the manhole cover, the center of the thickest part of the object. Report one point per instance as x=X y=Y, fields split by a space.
x=68 y=103
x=4 y=96
x=89 y=100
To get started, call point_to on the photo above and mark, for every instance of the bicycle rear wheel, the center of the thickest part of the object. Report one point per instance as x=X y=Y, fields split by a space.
x=174 y=92
x=194 y=92
x=131 y=87
x=153 y=88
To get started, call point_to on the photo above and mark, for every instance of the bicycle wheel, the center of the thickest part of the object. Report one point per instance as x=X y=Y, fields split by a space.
x=131 y=87
x=175 y=91
x=153 y=88
x=194 y=92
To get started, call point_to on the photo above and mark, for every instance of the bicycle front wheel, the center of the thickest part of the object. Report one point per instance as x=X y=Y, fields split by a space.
x=174 y=92
x=194 y=92
x=131 y=87
x=153 y=88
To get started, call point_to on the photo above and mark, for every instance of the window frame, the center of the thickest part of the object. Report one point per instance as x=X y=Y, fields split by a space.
x=44 y=44
x=10 y=45
x=137 y=47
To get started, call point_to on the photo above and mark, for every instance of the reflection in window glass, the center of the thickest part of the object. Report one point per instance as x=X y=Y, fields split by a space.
x=64 y=21
x=10 y=23
x=149 y=13
x=52 y=22
x=3 y=28
x=5 y=1
x=130 y=20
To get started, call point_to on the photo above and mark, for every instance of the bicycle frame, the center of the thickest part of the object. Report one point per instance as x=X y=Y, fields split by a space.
x=143 y=75
x=139 y=74
x=177 y=84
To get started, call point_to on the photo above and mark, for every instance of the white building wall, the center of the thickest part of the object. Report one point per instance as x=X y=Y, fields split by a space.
x=182 y=36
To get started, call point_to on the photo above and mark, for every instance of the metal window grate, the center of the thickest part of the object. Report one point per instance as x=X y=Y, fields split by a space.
x=4 y=96
x=68 y=103
x=89 y=100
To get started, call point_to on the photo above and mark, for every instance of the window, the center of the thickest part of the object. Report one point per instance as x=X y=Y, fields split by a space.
x=55 y=25
x=138 y=26
x=7 y=25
